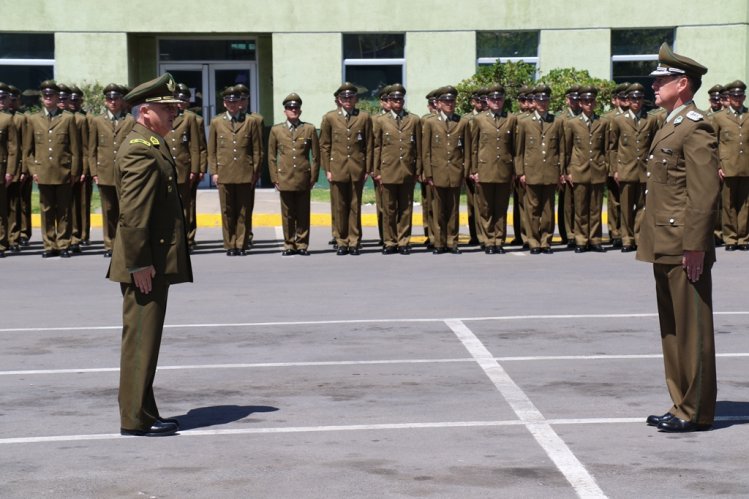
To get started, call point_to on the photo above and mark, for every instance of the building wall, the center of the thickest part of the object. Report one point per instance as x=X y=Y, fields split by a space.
x=95 y=56
x=554 y=51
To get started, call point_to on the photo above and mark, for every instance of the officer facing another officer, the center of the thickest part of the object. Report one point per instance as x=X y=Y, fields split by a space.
x=676 y=237
x=294 y=165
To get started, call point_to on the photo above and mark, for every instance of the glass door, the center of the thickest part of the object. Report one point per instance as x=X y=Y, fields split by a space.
x=225 y=74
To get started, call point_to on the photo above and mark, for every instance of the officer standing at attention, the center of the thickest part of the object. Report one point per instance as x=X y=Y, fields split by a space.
x=676 y=237
x=492 y=172
x=446 y=160
x=346 y=152
x=397 y=165
x=731 y=126
x=244 y=107
x=519 y=221
x=294 y=165
x=107 y=133
x=83 y=187
x=426 y=190
x=53 y=156
x=716 y=106
x=540 y=150
x=19 y=190
x=384 y=110
x=565 y=204
x=150 y=251
x=714 y=97
x=184 y=142
x=586 y=170
x=479 y=105
x=8 y=164
x=234 y=154
x=620 y=106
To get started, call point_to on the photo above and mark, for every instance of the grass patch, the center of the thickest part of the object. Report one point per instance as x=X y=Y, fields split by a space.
x=95 y=200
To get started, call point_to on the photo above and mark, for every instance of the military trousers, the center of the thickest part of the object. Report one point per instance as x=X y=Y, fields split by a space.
x=110 y=213
x=492 y=201
x=397 y=204
x=3 y=216
x=566 y=213
x=613 y=208
x=184 y=195
x=19 y=210
x=142 y=327
x=685 y=313
x=81 y=211
x=346 y=204
x=426 y=211
x=631 y=203
x=55 y=203
x=539 y=206
x=192 y=217
x=379 y=203
x=295 y=217
x=445 y=216
x=475 y=228
x=588 y=205
x=236 y=214
x=735 y=210
x=519 y=222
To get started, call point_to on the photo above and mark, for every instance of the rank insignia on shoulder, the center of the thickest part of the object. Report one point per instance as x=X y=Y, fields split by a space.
x=154 y=140
x=140 y=141
x=678 y=120
x=694 y=116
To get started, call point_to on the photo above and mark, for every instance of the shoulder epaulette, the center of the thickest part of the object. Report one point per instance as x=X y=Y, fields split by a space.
x=694 y=116
x=140 y=141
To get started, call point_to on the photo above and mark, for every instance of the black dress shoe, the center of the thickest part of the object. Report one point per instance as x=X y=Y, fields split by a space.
x=404 y=250
x=108 y=254
x=240 y=252
x=158 y=429
x=516 y=242
x=438 y=250
x=656 y=420
x=571 y=244
x=333 y=242
x=24 y=241
x=75 y=248
x=343 y=250
x=2 y=254
x=230 y=252
x=628 y=249
x=744 y=247
x=616 y=243
x=547 y=251
x=718 y=241
x=490 y=250
x=15 y=249
x=288 y=252
x=581 y=249
x=535 y=251
x=676 y=425
x=354 y=251
x=455 y=250
x=389 y=250
x=500 y=250
x=730 y=247
x=49 y=254
x=169 y=420
x=598 y=248
x=65 y=254
x=473 y=242
x=302 y=252
x=86 y=242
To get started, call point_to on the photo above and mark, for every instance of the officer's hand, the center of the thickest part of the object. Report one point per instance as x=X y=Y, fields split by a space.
x=475 y=178
x=8 y=178
x=522 y=180
x=692 y=262
x=143 y=279
x=616 y=177
x=83 y=178
x=721 y=174
x=36 y=178
x=329 y=176
x=201 y=176
x=569 y=180
x=96 y=179
x=276 y=186
x=430 y=181
x=215 y=178
x=311 y=184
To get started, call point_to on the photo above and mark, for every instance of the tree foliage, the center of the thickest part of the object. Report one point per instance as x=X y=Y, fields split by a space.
x=559 y=80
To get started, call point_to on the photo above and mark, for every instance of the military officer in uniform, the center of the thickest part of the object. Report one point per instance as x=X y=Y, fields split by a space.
x=19 y=189
x=446 y=159
x=519 y=221
x=479 y=105
x=384 y=110
x=244 y=103
x=620 y=106
x=8 y=164
x=731 y=126
x=492 y=172
x=565 y=204
x=676 y=237
x=586 y=170
x=397 y=165
x=150 y=251
x=346 y=152
x=234 y=154
x=81 y=210
x=294 y=164
x=716 y=106
x=426 y=190
x=106 y=135
x=540 y=150
x=714 y=99
x=53 y=156
x=630 y=135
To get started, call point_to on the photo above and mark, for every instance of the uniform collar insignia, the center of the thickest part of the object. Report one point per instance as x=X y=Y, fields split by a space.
x=678 y=120
x=154 y=140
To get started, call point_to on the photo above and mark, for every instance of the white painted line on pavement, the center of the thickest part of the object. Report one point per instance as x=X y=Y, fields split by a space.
x=573 y=470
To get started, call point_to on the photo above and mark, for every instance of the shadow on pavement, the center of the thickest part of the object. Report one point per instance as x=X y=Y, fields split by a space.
x=218 y=415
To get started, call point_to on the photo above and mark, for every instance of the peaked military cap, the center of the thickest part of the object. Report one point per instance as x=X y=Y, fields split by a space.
x=621 y=89
x=448 y=92
x=716 y=89
x=542 y=89
x=157 y=91
x=383 y=93
x=524 y=91
x=496 y=91
x=50 y=86
x=76 y=90
x=113 y=91
x=292 y=100
x=242 y=89
x=588 y=91
x=397 y=91
x=671 y=63
x=15 y=91
x=574 y=89
x=347 y=89
x=64 y=91
x=736 y=87
x=635 y=90
x=4 y=89
x=231 y=94
x=183 y=92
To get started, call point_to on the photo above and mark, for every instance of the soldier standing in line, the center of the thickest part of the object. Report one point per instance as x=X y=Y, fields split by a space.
x=53 y=155
x=384 y=110
x=565 y=204
x=83 y=185
x=8 y=163
x=714 y=99
x=476 y=237
x=731 y=126
x=234 y=154
x=446 y=145
x=519 y=221
x=724 y=98
x=716 y=106
x=492 y=172
x=630 y=135
x=397 y=165
x=106 y=135
x=620 y=106
x=426 y=190
x=244 y=102
x=19 y=191
x=346 y=152
x=183 y=141
x=294 y=165
x=540 y=150
x=585 y=167
x=185 y=94
x=676 y=237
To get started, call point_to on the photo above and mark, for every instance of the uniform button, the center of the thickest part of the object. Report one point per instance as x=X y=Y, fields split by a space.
x=161 y=241
x=648 y=174
x=651 y=157
x=671 y=221
x=646 y=191
x=50 y=149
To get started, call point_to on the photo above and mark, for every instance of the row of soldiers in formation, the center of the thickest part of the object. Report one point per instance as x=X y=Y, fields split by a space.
x=528 y=156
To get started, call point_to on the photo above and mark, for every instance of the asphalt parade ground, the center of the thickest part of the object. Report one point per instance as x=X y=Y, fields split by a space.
x=372 y=376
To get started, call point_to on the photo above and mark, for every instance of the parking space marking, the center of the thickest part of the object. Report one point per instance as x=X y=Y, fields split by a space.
x=573 y=470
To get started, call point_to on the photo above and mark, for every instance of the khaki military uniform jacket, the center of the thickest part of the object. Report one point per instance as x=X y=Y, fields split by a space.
x=293 y=156
x=540 y=149
x=397 y=148
x=105 y=138
x=184 y=143
x=53 y=150
x=19 y=119
x=203 y=168
x=629 y=143
x=732 y=132
x=446 y=147
x=492 y=147
x=585 y=150
x=9 y=141
x=346 y=146
x=234 y=149
x=151 y=227
x=81 y=121
x=682 y=190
